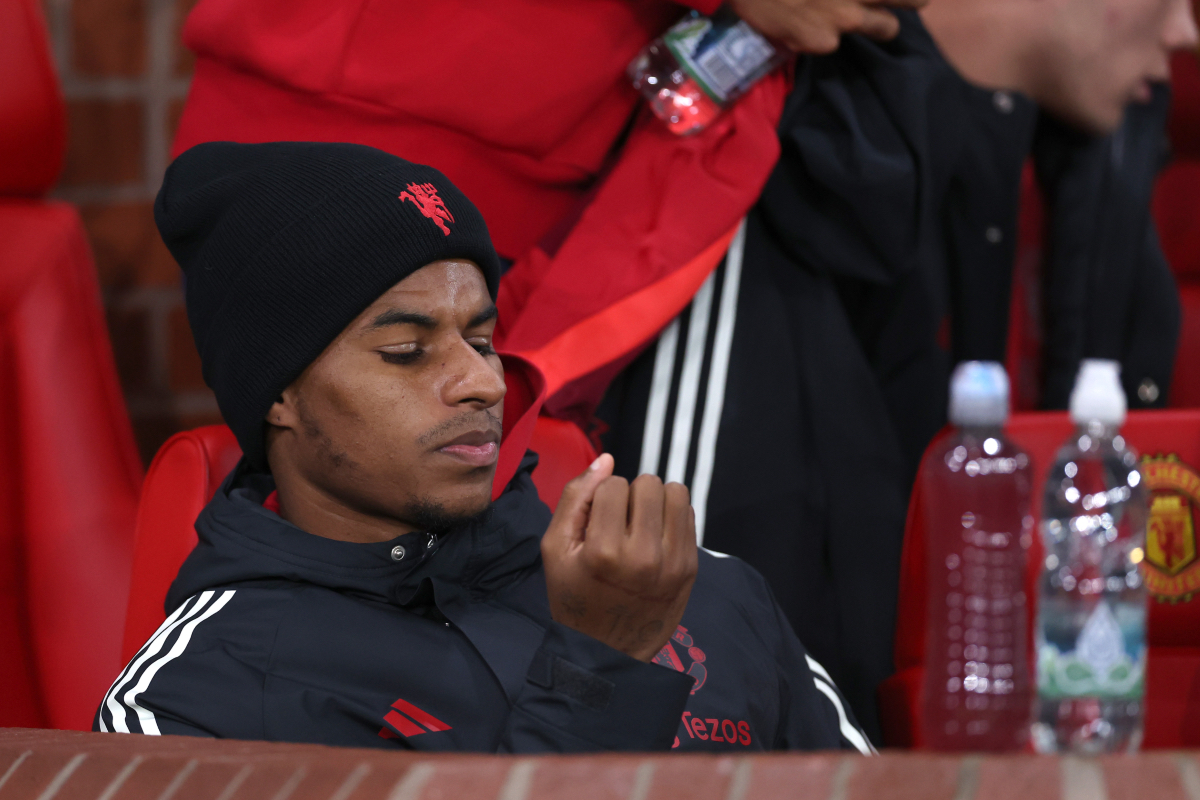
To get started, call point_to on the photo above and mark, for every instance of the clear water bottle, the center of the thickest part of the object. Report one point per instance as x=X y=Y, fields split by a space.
x=701 y=65
x=1091 y=630
x=978 y=691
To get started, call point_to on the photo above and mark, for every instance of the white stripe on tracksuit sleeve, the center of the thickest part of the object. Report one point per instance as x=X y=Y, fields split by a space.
x=136 y=678
x=849 y=731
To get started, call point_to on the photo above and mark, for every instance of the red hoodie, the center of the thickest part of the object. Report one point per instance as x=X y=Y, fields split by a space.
x=517 y=101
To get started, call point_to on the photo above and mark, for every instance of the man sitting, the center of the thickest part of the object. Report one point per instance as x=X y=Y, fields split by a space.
x=353 y=585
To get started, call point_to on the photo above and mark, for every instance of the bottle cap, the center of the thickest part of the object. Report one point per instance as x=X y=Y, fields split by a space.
x=979 y=394
x=1098 y=394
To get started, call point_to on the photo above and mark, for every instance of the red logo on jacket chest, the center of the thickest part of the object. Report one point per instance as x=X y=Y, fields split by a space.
x=425 y=197
x=400 y=720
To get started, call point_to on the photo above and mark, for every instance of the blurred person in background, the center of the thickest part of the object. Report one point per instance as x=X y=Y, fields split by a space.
x=521 y=102
x=796 y=394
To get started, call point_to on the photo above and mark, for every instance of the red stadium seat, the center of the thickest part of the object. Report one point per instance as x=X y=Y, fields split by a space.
x=1177 y=213
x=1172 y=572
x=189 y=469
x=69 y=468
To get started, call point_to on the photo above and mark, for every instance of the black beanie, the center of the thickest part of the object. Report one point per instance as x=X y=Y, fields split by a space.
x=284 y=244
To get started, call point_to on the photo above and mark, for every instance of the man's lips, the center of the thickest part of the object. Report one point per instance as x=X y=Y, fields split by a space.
x=477 y=448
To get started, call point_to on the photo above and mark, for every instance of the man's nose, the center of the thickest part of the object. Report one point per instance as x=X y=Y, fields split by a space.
x=1180 y=32
x=473 y=380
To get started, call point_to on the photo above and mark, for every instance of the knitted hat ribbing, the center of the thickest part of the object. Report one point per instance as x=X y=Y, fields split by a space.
x=283 y=244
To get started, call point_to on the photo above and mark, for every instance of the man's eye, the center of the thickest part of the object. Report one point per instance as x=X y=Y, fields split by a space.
x=484 y=348
x=408 y=357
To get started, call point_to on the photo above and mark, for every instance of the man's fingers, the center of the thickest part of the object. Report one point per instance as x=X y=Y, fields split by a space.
x=878 y=24
x=679 y=527
x=605 y=536
x=576 y=500
x=644 y=545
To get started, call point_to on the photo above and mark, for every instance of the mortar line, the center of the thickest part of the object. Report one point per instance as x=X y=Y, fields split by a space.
x=115 y=785
x=62 y=776
x=839 y=786
x=413 y=781
x=520 y=779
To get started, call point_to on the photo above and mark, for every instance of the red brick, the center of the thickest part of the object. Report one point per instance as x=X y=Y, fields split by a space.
x=792 y=776
x=322 y=779
x=151 y=777
x=189 y=421
x=174 y=112
x=184 y=368
x=384 y=776
x=129 y=331
x=1019 y=778
x=109 y=37
x=592 y=778
x=688 y=777
x=264 y=781
x=1147 y=775
x=129 y=252
x=151 y=430
x=104 y=142
x=36 y=772
x=452 y=779
x=95 y=774
x=909 y=776
x=185 y=62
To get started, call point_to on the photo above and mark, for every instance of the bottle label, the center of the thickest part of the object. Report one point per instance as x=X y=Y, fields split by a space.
x=724 y=55
x=1108 y=659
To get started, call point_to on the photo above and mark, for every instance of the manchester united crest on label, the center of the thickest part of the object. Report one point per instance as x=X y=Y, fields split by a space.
x=1171 y=569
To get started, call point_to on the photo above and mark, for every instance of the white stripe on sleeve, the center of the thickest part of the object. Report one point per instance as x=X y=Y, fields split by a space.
x=145 y=717
x=849 y=732
x=177 y=618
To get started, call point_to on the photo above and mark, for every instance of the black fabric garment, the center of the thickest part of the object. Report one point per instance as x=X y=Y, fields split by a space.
x=277 y=634
x=879 y=255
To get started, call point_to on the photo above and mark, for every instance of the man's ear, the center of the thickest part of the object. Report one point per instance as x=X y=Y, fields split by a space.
x=284 y=412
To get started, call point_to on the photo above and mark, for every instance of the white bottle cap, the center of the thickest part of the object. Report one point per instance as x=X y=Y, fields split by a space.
x=1098 y=395
x=979 y=394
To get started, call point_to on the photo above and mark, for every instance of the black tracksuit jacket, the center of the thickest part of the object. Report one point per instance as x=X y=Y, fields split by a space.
x=276 y=634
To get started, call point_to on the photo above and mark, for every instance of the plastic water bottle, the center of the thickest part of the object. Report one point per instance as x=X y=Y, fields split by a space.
x=701 y=65
x=978 y=691
x=1091 y=630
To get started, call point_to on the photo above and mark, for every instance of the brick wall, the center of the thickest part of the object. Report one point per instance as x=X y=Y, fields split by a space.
x=125 y=75
x=65 y=765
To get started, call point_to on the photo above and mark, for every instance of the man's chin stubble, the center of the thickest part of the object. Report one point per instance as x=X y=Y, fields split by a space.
x=429 y=515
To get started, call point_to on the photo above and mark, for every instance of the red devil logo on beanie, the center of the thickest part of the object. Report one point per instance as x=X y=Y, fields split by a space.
x=425 y=197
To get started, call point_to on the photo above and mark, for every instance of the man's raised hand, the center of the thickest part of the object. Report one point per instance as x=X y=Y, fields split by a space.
x=816 y=26
x=620 y=559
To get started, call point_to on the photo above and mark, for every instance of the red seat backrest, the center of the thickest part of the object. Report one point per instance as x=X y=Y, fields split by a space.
x=185 y=474
x=188 y=470
x=1173 y=682
x=33 y=132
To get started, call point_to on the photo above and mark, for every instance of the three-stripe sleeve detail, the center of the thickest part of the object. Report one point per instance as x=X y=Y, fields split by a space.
x=848 y=730
x=167 y=644
x=687 y=387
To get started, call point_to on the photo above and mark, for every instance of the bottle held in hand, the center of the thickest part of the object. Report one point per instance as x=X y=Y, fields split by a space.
x=978 y=690
x=699 y=67
x=1091 y=630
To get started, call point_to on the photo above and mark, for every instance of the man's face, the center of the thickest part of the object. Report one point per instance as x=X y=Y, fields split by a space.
x=400 y=417
x=1100 y=55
